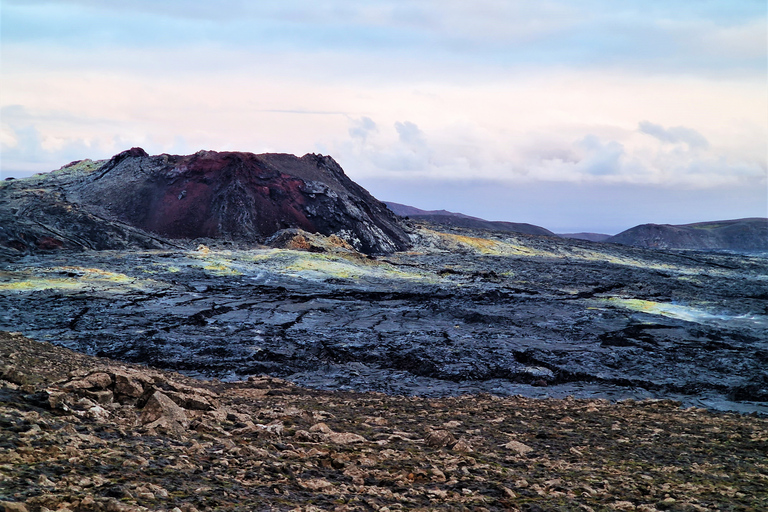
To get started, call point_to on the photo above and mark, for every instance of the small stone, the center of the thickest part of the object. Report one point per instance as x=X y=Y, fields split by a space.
x=462 y=446
x=438 y=493
x=99 y=380
x=667 y=502
x=302 y=436
x=274 y=429
x=160 y=406
x=376 y=420
x=357 y=475
x=437 y=475
x=97 y=412
x=509 y=492
x=518 y=447
x=440 y=438
x=44 y=481
x=84 y=404
x=57 y=400
x=321 y=427
x=345 y=438
x=115 y=506
x=13 y=506
x=315 y=484
x=13 y=374
x=103 y=396
x=128 y=386
x=158 y=491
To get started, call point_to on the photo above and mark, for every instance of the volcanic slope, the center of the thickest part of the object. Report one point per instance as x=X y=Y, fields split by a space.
x=142 y=201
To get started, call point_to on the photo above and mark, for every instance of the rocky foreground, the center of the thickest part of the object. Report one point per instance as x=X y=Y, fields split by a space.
x=79 y=433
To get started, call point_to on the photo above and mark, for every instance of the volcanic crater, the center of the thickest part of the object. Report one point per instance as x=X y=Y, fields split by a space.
x=234 y=196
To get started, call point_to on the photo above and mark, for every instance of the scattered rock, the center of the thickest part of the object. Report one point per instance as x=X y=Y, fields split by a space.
x=462 y=445
x=440 y=439
x=13 y=506
x=345 y=438
x=321 y=427
x=518 y=447
x=315 y=484
x=161 y=411
x=253 y=454
x=128 y=386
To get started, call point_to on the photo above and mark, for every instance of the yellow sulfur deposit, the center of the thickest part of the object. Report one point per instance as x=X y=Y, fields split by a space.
x=70 y=278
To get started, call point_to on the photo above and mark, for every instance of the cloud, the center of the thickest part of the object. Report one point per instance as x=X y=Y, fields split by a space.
x=603 y=158
x=674 y=135
x=409 y=153
x=659 y=37
x=555 y=91
x=361 y=128
x=410 y=135
x=43 y=140
x=26 y=151
x=607 y=154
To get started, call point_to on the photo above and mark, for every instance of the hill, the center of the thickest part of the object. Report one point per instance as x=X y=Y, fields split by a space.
x=590 y=237
x=741 y=235
x=446 y=218
x=137 y=200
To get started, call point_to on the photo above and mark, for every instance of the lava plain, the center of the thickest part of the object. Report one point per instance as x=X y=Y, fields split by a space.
x=466 y=311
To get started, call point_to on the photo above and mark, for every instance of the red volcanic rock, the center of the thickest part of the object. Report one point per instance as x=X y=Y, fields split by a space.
x=223 y=195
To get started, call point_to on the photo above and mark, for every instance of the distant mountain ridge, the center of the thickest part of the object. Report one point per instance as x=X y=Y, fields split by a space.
x=465 y=221
x=749 y=235
x=590 y=237
x=746 y=235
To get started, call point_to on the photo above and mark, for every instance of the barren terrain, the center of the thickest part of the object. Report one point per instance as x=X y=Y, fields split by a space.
x=465 y=311
x=84 y=434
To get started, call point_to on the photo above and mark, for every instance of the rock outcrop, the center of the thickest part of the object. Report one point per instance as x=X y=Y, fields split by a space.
x=137 y=200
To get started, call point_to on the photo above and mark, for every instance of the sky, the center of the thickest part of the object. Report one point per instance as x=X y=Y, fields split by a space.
x=588 y=115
